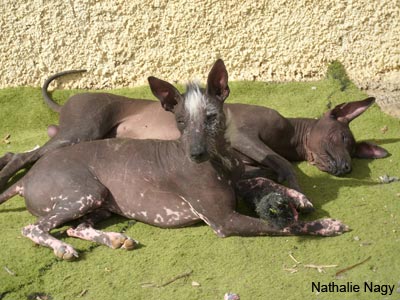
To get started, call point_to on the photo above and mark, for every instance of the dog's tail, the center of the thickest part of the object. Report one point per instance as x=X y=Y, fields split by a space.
x=16 y=188
x=47 y=99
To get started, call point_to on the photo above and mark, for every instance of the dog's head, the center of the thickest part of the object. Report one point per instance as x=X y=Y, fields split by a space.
x=330 y=144
x=198 y=112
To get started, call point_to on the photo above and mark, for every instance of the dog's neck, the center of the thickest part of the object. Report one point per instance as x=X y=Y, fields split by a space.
x=300 y=139
x=225 y=160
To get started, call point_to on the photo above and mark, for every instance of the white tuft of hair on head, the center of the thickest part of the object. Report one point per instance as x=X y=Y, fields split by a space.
x=195 y=101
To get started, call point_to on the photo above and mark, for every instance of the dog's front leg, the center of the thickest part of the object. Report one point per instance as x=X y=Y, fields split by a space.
x=251 y=146
x=218 y=212
x=235 y=224
x=248 y=189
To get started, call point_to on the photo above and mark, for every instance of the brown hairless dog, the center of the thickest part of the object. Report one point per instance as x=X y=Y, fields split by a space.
x=163 y=183
x=264 y=138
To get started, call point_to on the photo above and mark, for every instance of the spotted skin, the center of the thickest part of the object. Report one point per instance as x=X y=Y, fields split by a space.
x=261 y=185
x=260 y=135
x=39 y=236
x=324 y=227
x=113 y=240
x=168 y=184
x=59 y=210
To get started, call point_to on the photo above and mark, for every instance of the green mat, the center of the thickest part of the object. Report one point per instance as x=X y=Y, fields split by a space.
x=193 y=263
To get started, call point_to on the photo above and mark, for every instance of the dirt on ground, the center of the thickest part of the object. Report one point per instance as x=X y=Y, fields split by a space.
x=386 y=90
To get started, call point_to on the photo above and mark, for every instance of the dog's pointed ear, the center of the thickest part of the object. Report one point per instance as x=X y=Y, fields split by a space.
x=346 y=112
x=165 y=92
x=217 y=82
x=369 y=150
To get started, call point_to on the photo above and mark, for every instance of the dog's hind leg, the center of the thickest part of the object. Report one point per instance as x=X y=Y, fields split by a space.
x=16 y=188
x=42 y=237
x=92 y=127
x=113 y=240
x=11 y=163
x=5 y=159
x=65 y=209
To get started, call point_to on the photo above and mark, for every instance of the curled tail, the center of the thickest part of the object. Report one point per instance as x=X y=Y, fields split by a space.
x=47 y=99
x=16 y=188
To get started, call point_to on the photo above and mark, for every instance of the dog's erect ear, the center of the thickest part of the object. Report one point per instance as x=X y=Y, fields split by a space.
x=369 y=150
x=217 y=82
x=346 y=112
x=165 y=92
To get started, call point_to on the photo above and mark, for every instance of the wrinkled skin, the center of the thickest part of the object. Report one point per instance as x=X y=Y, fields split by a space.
x=265 y=140
x=330 y=144
x=168 y=184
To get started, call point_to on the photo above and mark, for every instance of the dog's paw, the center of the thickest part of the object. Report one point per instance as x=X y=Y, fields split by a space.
x=66 y=252
x=119 y=240
x=300 y=201
x=130 y=244
x=323 y=227
x=326 y=227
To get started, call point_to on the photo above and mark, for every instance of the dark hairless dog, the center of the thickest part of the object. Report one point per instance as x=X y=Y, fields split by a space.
x=163 y=183
x=262 y=137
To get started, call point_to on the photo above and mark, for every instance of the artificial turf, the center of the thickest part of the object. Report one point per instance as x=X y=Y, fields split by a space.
x=256 y=267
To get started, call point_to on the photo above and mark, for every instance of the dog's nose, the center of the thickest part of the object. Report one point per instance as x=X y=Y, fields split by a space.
x=342 y=168
x=199 y=157
x=346 y=167
x=199 y=154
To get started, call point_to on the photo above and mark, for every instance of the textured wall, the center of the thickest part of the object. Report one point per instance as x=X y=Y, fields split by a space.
x=123 y=42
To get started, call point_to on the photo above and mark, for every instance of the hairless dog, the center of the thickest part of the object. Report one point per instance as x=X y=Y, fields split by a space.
x=168 y=184
x=262 y=137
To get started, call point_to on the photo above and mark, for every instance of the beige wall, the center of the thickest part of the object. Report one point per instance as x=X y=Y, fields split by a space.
x=123 y=42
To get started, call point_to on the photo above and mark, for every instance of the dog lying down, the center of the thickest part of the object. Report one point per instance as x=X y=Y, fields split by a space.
x=169 y=184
